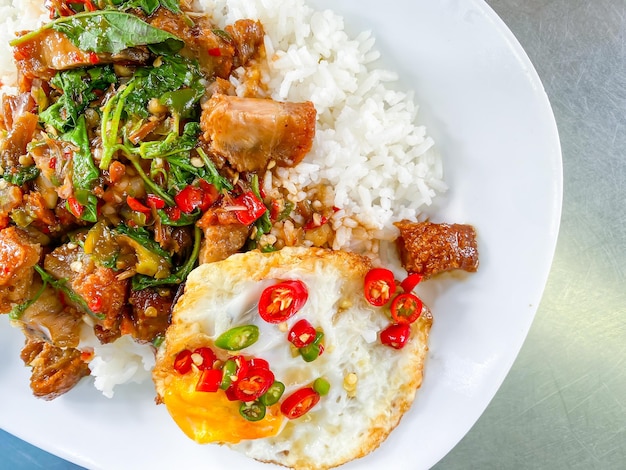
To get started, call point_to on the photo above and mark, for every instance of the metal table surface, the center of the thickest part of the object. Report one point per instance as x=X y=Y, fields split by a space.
x=563 y=405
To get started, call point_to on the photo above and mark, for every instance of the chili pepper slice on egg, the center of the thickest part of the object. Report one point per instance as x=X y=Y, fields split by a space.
x=281 y=301
x=379 y=286
x=406 y=308
x=299 y=402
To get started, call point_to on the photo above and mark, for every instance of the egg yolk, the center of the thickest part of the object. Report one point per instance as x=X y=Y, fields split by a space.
x=209 y=417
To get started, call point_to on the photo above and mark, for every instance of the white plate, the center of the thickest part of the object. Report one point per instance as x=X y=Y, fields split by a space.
x=486 y=108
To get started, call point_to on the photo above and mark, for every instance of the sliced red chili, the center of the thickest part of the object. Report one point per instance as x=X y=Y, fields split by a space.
x=173 y=213
x=395 y=335
x=281 y=301
x=155 y=201
x=75 y=207
x=406 y=308
x=215 y=52
x=210 y=194
x=93 y=57
x=203 y=358
x=209 y=380
x=95 y=304
x=234 y=369
x=299 y=402
x=301 y=334
x=189 y=199
x=275 y=210
x=136 y=205
x=380 y=285
x=183 y=362
x=254 y=208
x=317 y=220
x=256 y=382
x=410 y=282
x=258 y=362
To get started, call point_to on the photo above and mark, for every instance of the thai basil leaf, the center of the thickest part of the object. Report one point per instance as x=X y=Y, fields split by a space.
x=148 y=6
x=85 y=174
x=173 y=144
x=174 y=73
x=182 y=102
x=149 y=183
x=213 y=176
x=18 y=310
x=181 y=221
x=143 y=237
x=141 y=281
x=61 y=285
x=263 y=223
x=107 y=31
x=23 y=175
x=78 y=87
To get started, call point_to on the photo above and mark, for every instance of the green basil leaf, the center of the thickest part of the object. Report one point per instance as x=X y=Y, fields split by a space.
x=85 y=174
x=24 y=174
x=173 y=74
x=139 y=281
x=111 y=32
x=78 y=87
x=183 y=220
x=143 y=237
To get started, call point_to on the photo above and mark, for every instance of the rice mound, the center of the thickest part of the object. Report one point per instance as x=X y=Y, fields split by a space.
x=381 y=166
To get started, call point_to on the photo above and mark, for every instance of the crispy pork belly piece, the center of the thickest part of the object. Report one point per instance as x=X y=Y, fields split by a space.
x=45 y=54
x=250 y=132
x=224 y=235
x=214 y=52
x=104 y=293
x=18 y=119
x=427 y=248
x=54 y=370
x=51 y=320
x=18 y=255
x=150 y=314
x=13 y=106
x=11 y=196
x=247 y=36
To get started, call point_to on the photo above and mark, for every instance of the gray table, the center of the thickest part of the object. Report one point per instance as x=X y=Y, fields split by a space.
x=563 y=405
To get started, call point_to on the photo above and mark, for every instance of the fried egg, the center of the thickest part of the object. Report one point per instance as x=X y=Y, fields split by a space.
x=371 y=385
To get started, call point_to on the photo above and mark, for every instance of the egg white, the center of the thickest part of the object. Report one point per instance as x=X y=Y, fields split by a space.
x=346 y=423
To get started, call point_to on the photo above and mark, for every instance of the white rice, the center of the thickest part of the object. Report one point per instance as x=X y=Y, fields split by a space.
x=368 y=147
x=17 y=15
x=382 y=166
x=122 y=361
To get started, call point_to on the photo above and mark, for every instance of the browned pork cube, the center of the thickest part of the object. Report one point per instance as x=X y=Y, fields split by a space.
x=251 y=132
x=44 y=54
x=54 y=370
x=428 y=249
x=224 y=235
x=18 y=256
x=247 y=36
x=100 y=287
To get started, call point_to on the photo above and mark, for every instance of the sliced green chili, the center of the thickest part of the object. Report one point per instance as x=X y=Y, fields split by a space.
x=238 y=338
x=312 y=351
x=273 y=394
x=253 y=411
x=321 y=386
